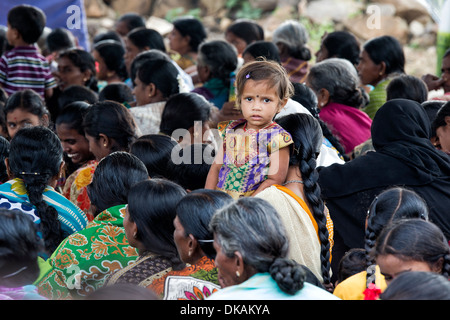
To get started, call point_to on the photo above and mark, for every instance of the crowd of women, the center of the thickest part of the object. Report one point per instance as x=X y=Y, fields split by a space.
x=111 y=186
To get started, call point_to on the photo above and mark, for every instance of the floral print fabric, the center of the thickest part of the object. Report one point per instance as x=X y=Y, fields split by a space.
x=84 y=260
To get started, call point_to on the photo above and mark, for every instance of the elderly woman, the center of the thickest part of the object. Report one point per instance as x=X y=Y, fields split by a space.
x=336 y=85
x=252 y=246
x=291 y=38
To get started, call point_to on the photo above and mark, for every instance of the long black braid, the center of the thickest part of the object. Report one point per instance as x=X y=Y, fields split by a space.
x=307 y=136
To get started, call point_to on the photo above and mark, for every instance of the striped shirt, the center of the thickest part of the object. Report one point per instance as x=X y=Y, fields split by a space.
x=25 y=68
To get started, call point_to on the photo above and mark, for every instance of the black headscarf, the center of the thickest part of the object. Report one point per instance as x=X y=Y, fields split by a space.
x=404 y=157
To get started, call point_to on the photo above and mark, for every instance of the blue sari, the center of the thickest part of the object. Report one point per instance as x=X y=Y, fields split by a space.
x=13 y=195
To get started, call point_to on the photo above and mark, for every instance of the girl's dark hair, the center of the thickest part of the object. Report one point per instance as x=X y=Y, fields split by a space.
x=246 y=29
x=307 y=136
x=35 y=156
x=151 y=205
x=194 y=212
x=439 y=120
x=113 y=179
x=144 y=37
x=220 y=57
x=19 y=248
x=386 y=49
x=84 y=61
x=390 y=205
x=342 y=44
x=163 y=74
x=154 y=150
x=28 y=20
x=29 y=101
x=182 y=110
x=152 y=54
x=407 y=87
x=4 y=153
x=76 y=93
x=417 y=240
x=192 y=27
x=118 y=92
x=307 y=98
x=266 y=49
x=107 y=35
x=113 y=120
x=72 y=115
x=112 y=53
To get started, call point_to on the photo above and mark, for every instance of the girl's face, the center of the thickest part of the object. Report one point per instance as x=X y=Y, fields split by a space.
x=260 y=103
x=75 y=145
x=391 y=266
x=102 y=72
x=177 y=42
x=141 y=92
x=68 y=74
x=443 y=137
x=19 y=118
x=99 y=151
x=368 y=71
x=131 y=51
x=237 y=42
x=226 y=267
x=181 y=241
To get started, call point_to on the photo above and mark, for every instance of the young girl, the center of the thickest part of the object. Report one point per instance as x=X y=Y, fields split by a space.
x=254 y=154
x=25 y=108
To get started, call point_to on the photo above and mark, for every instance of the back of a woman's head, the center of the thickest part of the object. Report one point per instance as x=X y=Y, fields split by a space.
x=342 y=44
x=407 y=87
x=415 y=240
x=182 y=110
x=144 y=37
x=154 y=150
x=151 y=205
x=112 y=53
x=246 y=29
x=114 y=176
x=19 y=249
x=27 y=100
x=220 y=56
x=162 y=73
x=339 y=77
x=72 y=115
x=195 y=211
x=142 y=57
x=386 y=49
x=113 y=120
x=60 y=39
x=192 y=27
x=294 y=36
x=266 y=49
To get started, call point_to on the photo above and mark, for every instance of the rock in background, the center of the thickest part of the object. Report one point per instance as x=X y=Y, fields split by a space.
x=406 y=20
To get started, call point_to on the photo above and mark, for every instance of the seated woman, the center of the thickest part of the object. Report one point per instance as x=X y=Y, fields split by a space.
x=155 y=81
x=339 y=44
x=194 y=243
x=381 y=59
x=298 y=202
x=291 y=38
x=242 y=33
x=19 y=250
x=149 y=228
x=336 y=85
x=34 y=164
x=217 y=60
x=256 y=267
x=81 y=263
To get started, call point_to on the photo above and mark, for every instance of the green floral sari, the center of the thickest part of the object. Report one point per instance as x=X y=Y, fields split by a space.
x=83 y=261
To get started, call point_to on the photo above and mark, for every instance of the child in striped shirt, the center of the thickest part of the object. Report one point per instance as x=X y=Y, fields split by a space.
x=23 y=67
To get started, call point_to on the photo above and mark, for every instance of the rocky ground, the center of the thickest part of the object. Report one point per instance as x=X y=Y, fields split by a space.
x=407 y=20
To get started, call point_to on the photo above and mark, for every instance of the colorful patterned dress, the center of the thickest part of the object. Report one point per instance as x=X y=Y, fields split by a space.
x=246 y=156
x=83 y=261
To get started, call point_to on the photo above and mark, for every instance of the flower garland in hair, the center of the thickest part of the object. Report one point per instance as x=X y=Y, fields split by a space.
x=372 y=292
